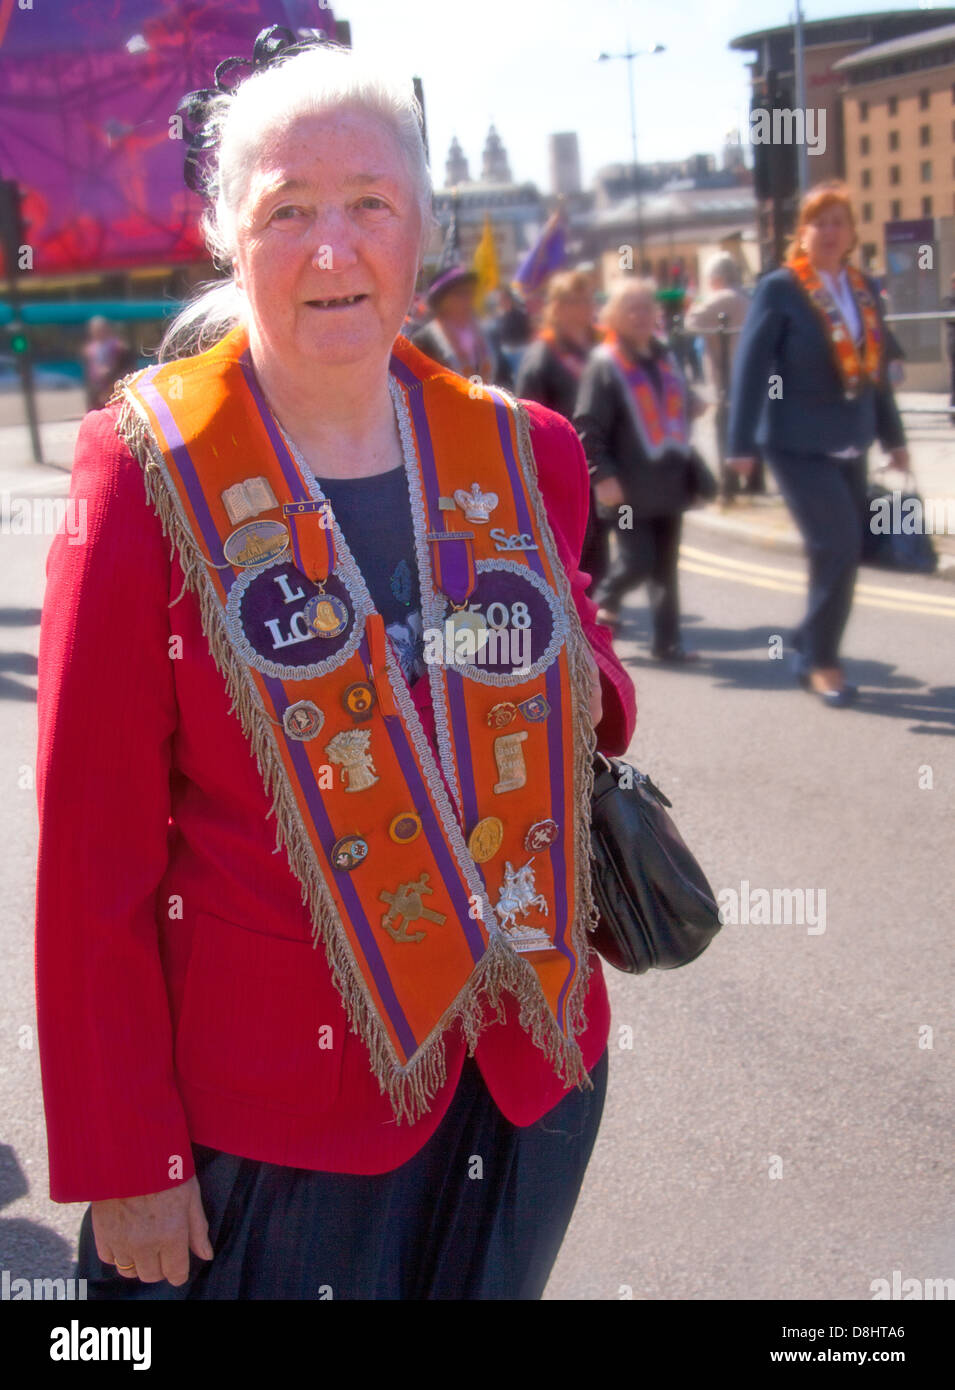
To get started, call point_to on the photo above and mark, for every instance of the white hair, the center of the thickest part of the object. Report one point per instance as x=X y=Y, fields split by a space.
x=267 y=104
x=724 y=267
x=621 y=287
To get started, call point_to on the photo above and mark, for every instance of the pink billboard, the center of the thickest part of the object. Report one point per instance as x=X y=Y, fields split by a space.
x=87 y=90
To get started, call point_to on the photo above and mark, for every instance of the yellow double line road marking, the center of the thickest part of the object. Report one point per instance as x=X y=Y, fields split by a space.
x=786 y=581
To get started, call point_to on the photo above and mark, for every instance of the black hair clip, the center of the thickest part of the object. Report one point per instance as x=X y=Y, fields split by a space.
x=195 y=108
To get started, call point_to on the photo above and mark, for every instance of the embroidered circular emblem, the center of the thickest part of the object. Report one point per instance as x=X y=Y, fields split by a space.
x=526 y=625
x=326 y=614
x=359 y=700
x=405 y=828
x=256 y=543
x=541 y=834
x=485 y=839
x=499 y=716
x=349 y=851
x=267 y=623
x=303 y=720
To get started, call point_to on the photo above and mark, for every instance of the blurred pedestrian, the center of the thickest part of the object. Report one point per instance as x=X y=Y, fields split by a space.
x=810 y=386
x=719 y=314
x=551 y=372
x=633 y=416
x=453 y=336
x=106 y=357
x=512 y=322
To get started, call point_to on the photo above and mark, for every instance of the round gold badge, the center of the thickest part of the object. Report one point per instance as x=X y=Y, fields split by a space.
x=485 y=839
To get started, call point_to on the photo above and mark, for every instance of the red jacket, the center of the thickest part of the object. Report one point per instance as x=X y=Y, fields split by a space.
x=179 y=997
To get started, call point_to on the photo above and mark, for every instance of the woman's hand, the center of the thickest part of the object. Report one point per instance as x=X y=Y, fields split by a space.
x=608 y=492
x=152 y=1235
x=899 y=458
x=743 y=465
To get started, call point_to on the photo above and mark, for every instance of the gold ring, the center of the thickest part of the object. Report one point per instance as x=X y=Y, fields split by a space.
x=126 y=1266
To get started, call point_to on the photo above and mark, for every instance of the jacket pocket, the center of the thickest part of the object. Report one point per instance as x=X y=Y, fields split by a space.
x=261 y=1019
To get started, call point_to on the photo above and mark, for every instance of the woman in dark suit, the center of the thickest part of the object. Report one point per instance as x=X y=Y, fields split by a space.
x=810 y=388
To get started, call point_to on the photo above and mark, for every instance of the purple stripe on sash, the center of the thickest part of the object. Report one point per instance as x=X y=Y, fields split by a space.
x=559 y=850
x=404 y=374
x=352 y=903
x=429 y=472
x=421 y=798
x=564 y=845
x=455 y=687
x=286 y=462
x=187 y=471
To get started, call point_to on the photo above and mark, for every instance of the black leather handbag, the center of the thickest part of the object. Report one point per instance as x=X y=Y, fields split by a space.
x=657 y=910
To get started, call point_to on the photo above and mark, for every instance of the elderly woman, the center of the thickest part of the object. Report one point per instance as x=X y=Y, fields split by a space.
x=318 y=1011
x=633 y=416
x=810 y=388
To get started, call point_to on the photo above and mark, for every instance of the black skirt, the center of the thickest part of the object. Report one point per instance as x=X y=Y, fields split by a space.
x=478 y=1213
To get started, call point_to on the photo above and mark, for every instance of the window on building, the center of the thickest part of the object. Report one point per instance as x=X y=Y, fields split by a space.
x=925 y=170
x=895 y=174
x=893 y=106
x=925 y=134
x=895 y=209
x=927 y=206
x=893 y=139
x=924 y=96
x=867 y=212
x=866 y=178
x=863 y=110
x=864 y=142
x=869 y=252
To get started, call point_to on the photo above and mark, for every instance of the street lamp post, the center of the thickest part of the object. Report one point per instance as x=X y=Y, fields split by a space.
x=629 y=56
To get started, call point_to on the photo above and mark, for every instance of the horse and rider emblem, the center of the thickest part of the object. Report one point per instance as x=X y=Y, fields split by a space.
x=517 y=896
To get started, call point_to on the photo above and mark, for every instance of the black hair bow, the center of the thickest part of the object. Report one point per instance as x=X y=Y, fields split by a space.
x=196 y=107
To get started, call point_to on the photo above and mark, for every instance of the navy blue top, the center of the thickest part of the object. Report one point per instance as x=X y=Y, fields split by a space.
x=374 y=515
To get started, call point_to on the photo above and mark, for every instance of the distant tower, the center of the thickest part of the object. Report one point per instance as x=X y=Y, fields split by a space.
x=732 y=150
x=495 y=168
x=564 y=163
x=456 y=168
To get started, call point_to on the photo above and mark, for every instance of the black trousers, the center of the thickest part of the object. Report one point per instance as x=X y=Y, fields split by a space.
x=478 y=1213
x=827 y=498
x=648 y=552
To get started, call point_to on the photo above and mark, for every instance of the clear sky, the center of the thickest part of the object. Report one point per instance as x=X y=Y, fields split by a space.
x=530 y=66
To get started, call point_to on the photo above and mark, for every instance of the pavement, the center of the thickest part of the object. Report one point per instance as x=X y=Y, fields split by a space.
x=778 y=1124
x=765 y=521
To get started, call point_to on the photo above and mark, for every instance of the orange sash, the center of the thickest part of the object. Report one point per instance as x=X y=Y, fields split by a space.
x=855 y=370
x=660 y=428
x=427 y=905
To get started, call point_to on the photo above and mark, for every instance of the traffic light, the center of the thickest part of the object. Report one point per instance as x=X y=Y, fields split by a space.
x=12 y=227
x=18 y=341
x=775 y=172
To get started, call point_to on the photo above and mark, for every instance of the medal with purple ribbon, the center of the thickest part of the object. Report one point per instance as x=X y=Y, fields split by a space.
x=452 y=565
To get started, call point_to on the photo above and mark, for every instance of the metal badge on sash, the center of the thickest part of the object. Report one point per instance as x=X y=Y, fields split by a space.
x=248 y=498
x=256 y=543
x=303 y=720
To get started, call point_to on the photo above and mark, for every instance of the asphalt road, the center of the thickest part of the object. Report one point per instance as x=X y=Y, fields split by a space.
x=776 y=1130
